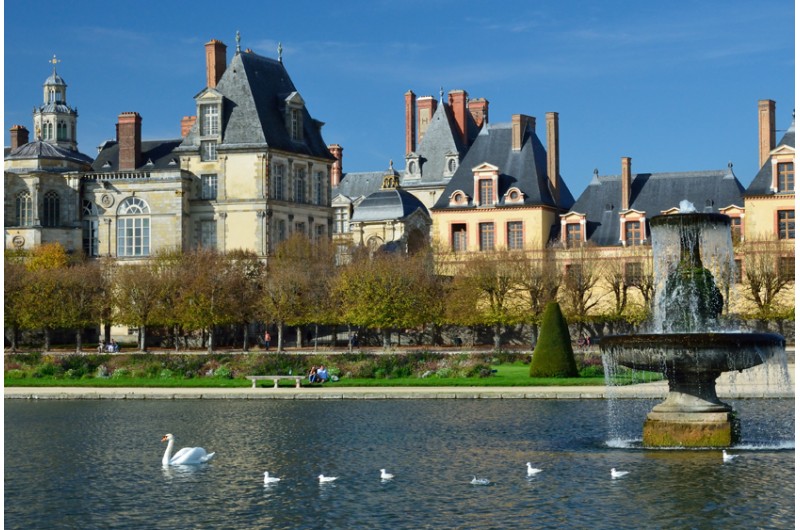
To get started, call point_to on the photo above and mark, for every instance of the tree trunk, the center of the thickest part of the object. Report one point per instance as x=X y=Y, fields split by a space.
x=211 y=339
x=316 y=336
x=246 y=337
x=534 y=334
x=349 y=339
x=14 y=333
x=176 y=337
x=78 y=340
x=142 y=338
x=498 y=332
x=107 y=332
x=280 y=336
x=46 y=339
x=387 y=338
x=299 y=335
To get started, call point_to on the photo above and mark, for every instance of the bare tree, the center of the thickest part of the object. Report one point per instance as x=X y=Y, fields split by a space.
x=768 y=274
x=578 y=287
x=539 y=278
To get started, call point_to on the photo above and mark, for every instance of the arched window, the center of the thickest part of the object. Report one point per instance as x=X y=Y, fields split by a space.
x=24 y=209
x=62 y=130
x=133 y=228
x=52 y=209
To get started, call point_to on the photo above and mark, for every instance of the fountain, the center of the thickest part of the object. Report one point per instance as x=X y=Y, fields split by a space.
x=686 y=345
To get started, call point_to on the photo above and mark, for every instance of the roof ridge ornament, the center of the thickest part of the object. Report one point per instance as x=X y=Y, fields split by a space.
x=280 y=52
x=54 y=61
x=238 y=43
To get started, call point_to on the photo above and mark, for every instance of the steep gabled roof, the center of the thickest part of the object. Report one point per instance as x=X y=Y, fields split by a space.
x=439 y=140
x=525 y=169
x=653 y=193
x=156 y=154
x=254 y=91
x=762 y=183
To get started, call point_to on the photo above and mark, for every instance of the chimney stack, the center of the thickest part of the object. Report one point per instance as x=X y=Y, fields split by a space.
x=479 y=108
x=187 y=122
x=626 y=183
x=411 y=137
x=215 y=62
x=553 y=162
x=520 y=122
x=19 y=136
x=766 y=129
x=458 y=105
x=426 y=106
x=336 y=167
x=129 y=135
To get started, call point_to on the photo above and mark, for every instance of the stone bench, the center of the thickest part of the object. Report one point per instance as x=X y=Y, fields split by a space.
x=275 y=378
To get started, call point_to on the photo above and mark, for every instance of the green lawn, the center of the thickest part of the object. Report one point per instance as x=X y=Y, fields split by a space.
x=506 y=375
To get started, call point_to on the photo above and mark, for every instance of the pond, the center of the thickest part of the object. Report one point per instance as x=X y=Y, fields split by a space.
x=97 y=464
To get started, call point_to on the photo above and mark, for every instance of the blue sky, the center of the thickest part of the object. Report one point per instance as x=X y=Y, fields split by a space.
x=674 y=85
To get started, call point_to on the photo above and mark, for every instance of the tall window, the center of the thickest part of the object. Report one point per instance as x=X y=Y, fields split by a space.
x=133 y=228
x=299 y=184
x=278 y=175
x=785 y=224
x=633 y=273
x=514 y=235
x=281 y=230
x=208 y=150
x=573 y=234
x=52 y=209
x=486 y=231
x=486 y=187
x=633 y=233
x=319 y=190
x=209 y=120
x=62 y=130
x=736 y=229
x=341 y=224
x=91 y=228
x=208 y=233
x=786 y=177
x=300 y=228
x=786 y=267
x=458 y=235
x=24 y=209
x=297 y=123
x=208 y=187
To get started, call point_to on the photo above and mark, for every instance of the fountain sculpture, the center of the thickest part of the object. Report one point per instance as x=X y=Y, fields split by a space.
x=686 y=345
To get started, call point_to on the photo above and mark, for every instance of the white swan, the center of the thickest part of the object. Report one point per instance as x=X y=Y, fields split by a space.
x=187 y=455
x=479 y=481
x=323 y=479
x=385 y=475
x=533 y=470
x=726 y=457
x=617 y=474
x=270 y=480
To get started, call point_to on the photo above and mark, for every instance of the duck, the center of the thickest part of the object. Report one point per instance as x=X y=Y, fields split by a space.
x=479 y=481
x=323 y=479
x=727 y=457
x=385 y=475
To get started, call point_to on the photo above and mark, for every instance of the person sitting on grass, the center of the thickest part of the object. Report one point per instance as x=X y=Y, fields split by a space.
x=322 y=374
x=312 y=375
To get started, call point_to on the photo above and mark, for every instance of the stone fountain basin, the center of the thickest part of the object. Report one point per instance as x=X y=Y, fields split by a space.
x=692 y=352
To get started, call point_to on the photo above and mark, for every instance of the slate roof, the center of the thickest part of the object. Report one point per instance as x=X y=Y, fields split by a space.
x=359 y=184
x=254 y=89
x=525 y=169
x=387 y=204
x=55 y=79
x=159 y=152
x=60 y=108
x=762 y=182
x=653 y=193
x=440 y=139
x=41 y=149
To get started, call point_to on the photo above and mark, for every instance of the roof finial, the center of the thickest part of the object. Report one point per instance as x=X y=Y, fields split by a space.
x=54 y=61
x=238 y=43
x=280 y=53
x=441 y=94
x=730 y=165
x=391 y=165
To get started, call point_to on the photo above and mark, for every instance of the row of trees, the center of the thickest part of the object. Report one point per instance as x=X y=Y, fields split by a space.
x=300 y=285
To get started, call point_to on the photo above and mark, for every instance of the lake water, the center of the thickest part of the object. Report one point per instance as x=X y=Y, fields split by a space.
x=97 y=464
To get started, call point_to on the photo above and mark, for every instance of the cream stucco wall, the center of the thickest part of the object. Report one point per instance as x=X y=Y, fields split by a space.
x=761 y=215
x=536 y=225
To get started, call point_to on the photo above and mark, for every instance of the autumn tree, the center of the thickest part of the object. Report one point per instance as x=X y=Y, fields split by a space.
x=83 y=291
x=137 y=289
x=14 y=283
x=246 y=279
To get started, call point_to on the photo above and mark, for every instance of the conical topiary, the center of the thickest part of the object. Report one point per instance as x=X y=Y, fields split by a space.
x=553 y=356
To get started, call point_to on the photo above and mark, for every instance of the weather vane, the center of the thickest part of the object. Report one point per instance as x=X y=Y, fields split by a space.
x=54 y=62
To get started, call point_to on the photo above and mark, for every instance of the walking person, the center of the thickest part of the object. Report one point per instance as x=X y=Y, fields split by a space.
x=267 y=339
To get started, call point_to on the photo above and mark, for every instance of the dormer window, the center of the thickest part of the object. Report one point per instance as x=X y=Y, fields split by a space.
x=296 y=136
x=485 y=177
x=451 y=164
x=412 y=166
x=513 y=196
x=786 y=177
x=209 y=120
x=294 y=105
x=458 y=198
x=486 y=191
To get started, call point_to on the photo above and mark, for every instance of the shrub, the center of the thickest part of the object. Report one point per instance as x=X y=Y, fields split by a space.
x=120 y=373
x=223 y=372
x=15 y=374
x=553 y=356
x=166 y=373
x=47 y=370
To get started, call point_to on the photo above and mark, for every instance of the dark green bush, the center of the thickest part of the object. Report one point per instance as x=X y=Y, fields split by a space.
x=553 y=356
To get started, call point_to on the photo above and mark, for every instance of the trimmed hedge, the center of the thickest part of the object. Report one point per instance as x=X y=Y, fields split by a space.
x=553 y=355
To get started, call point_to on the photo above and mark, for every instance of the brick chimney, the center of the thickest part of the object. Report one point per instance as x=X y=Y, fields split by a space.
x=129 y=135
x=426 y=106
x=411 y=122
x=766 y=129
x=187 y=122
x=216 y=62
x=336 y=167
x=626 y=183
x=520 y=122
x=553 y=162
x=479 y=108
x=19 y=136
x=458 y=105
